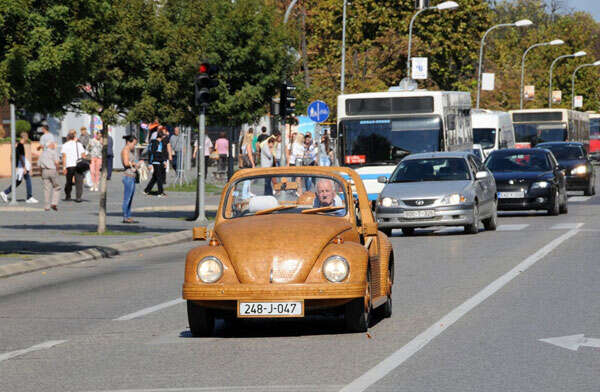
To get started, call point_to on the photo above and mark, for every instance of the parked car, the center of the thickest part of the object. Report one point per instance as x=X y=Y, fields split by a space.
x=288 y=242
x=573 y=158
x=437 y=189
x=528 y=179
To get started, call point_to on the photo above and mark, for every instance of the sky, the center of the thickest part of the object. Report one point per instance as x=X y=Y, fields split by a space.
x=591 y=6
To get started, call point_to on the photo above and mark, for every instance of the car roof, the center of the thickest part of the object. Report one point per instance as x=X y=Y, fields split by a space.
x=519 y=151
x=560 y=144
x=452 y=154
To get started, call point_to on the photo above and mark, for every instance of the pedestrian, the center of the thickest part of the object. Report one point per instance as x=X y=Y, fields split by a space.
x=277 y=149
x=84 y=137
x=72 y=151
x=324 y=151
x=208 y=146
x=131 y=167
x=309 y=158
x=266 y=160
x=46 y=137
x=23 y=171
x=95 y=151
x=297 y=151
x=49 y=162
x=158 y=158
x=176 y=142
x=222 y=147
x=263 y=136
x=255 y=147
x=110 y=155
x=247 y=162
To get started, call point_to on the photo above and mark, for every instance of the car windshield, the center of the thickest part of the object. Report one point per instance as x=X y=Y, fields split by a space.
x=595 y=128
x=566 y=152
x=484 y=136
x=518 y=162
x=538 y=133
x=431 y=169
x=292 y=194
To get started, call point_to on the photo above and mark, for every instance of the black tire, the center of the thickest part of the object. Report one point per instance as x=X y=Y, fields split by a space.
x=407 y=231
x=473 y=228
x=201 y=319
x=564 y=208
x=387 y=231
x=491 y=223
x=590 y=189
x=386 y=308
x=356 y=318
x=555 y=206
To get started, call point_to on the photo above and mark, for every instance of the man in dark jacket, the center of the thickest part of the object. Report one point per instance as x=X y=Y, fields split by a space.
x=158 y=158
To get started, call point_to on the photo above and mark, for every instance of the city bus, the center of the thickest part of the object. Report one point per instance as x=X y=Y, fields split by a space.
x=534 y=126
x=492 y=130
x=595 y=136
x=377 y=130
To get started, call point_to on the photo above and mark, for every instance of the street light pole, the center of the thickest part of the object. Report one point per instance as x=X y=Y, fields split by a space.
x=342 y=81
x=577 y=54
x=13 y=144
x=554 y=42
x=594 y=64
x=519 y=23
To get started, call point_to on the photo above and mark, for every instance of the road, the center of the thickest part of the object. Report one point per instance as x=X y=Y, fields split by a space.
x=116 y=324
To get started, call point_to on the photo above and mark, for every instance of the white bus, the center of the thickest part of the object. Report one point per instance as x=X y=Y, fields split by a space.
x=493 y=130
x=377 y=130
x=533 y=126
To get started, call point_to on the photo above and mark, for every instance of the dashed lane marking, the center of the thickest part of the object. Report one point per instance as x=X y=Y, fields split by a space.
x=41 y=346
x=566 y=226
x=149 y=310
x=246 y=388
x=514 y=227
x=579 y=199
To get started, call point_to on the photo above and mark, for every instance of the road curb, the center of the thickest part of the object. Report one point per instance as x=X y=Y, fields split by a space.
x=102 y=252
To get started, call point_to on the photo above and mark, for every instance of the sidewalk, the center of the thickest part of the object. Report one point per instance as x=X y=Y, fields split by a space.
x=27 y=231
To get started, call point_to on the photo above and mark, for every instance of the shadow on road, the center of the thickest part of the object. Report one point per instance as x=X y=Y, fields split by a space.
x=71 y=229
x=25 y=247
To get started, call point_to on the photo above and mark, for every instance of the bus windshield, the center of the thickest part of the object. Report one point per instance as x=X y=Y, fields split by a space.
x=484 y=136
x=538 y=133
x=389 y=140
x=595 y=128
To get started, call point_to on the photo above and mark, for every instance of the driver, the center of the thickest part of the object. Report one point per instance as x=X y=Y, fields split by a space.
x=326 y=196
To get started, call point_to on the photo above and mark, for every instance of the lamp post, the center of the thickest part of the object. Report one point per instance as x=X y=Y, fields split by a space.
x=553 y=42
x=446 y=5
x=594 y=64
x=519 y=23
x=342 y=81
x=576 y=54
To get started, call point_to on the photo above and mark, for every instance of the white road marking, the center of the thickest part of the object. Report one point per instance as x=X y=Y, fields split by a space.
x=249 y=388
x=449 y=230
x=566 y=226
x=515 y=227
x=579 y=199
x=573 y=342
x=41 y=346
x=403 y=354
x=149 y=310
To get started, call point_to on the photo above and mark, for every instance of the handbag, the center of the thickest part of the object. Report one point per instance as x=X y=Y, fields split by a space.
x=246 y=161
x=83 y=164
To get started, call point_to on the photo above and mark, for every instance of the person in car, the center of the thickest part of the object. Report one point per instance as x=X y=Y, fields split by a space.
x=326 y=197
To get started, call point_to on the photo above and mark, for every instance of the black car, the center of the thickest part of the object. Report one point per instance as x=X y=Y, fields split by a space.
x=573 y=158
x=528 y=179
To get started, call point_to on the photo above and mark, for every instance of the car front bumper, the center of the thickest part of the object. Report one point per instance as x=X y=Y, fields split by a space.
x=390 y=218
x=537 y=199
x=578 y=183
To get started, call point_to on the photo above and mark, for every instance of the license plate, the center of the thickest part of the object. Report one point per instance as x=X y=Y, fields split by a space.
x=419 y=214
x=511 y=195
x=271 y=309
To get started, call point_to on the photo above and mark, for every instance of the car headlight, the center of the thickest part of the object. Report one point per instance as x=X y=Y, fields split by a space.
x=454 y=198
x=582 y=169
x=336 y=269
x=210 y=269
x=388 y=202
x=540 y=185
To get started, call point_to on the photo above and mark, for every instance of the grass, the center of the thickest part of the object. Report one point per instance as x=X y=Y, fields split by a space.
x=108 y=232
x=17 y=255
x=191 y=187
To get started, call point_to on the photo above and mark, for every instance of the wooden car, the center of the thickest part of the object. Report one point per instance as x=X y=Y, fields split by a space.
x=288 y=242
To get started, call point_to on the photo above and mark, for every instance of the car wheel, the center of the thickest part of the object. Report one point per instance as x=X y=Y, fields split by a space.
x=201 y=319
x=564 y=208
x=387 y=232
x=408 y=231
x=555 y=207
x=386 y=308
x=357 y=313
x=473 y=228
x=491 y=223
x=590 y=189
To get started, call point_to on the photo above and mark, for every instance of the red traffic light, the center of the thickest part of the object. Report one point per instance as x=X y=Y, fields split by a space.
x=203 y=68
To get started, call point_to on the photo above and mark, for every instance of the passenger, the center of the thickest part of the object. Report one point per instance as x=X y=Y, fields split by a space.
x=326 y=196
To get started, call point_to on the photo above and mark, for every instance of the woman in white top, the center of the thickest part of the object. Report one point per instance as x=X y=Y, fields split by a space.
x=95 y=150
x=247 y=162
x=71 y=152
x=297 y=150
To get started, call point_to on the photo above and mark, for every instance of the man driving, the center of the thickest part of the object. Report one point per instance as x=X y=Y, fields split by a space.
x=326 y=197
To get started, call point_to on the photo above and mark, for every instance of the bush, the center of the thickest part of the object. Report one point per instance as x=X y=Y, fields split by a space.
x=22 y=126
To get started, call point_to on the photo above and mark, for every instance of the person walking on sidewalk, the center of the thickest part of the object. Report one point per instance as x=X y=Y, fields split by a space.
x=129 y=175
x=95 y=150
x=46 y=137
x=208 y=146
x=266 y=160
x=23 y=170
x=176 y=142
x=72 y=151
x=222 y=148
x=50 y=163
x=110 y=155
x=158 y=158
x=84 y=137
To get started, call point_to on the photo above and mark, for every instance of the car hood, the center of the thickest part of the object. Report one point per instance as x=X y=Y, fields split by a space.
x=425 y=189
x=527 y=176
x=282 y=246
x=571 y=163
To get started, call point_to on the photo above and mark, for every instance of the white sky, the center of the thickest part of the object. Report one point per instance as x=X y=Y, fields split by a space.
x=591 y=6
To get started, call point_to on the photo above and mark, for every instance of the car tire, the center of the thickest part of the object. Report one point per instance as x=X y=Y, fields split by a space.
x=564 y=208
x=473 y=228
x=201 y=320
x=387 y=232
x=555 y=207
x=491 y=223
x=356 y=318
x=386 y=308
x=590 y=189
x=408 y=231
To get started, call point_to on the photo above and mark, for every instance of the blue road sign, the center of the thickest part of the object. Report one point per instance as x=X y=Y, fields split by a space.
x=318 y=111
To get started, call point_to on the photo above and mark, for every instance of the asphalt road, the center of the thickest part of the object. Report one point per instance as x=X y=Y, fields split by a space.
x=469 y=313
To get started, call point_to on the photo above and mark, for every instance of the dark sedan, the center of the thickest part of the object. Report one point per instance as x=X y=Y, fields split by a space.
x=577 y=165
x=528 y=179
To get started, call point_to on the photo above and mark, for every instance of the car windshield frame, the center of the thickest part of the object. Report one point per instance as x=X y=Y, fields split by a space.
x=485 y=144
x=435 y=174
x=341 y=195
x=516 y=166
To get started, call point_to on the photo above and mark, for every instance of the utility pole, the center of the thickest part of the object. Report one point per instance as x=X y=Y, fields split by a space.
x=13 y=145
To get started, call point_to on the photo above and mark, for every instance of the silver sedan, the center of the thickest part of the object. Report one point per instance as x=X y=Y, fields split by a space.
x=438 y=189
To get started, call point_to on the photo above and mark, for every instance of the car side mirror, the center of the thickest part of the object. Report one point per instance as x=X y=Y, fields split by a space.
x=480 y=175
x=382 y=179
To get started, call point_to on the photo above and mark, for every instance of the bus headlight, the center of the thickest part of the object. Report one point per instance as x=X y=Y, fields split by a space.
x=210 y=269
x=582 y=169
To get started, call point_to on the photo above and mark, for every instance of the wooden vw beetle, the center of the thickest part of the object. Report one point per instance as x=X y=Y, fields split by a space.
x=288 y=242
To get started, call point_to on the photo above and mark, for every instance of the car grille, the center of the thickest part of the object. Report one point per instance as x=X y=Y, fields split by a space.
x=418 y=202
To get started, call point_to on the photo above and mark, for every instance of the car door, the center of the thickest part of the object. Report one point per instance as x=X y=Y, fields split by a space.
x=485 y=186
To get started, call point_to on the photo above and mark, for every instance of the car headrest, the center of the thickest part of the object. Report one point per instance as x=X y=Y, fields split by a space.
x=259 y=203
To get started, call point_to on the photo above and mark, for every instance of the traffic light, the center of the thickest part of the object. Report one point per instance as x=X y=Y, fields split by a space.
x=287 y=100
x=204 y=82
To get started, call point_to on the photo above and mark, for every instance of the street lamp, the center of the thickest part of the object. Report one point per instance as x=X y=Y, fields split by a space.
x=576 y=54
x=446 y=5
x=594 y=64
x=553 y=42
x=518 y=23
